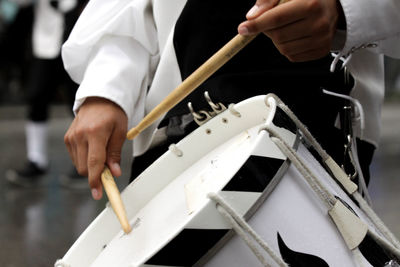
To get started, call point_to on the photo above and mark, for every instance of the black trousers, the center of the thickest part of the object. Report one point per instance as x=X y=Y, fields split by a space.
x=46 y=77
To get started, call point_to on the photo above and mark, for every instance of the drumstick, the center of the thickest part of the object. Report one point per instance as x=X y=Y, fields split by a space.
x=201 y=74
x=115 y=199
x=193 y=81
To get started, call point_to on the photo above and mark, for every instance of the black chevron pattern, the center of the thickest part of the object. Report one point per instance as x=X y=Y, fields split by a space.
x=192 y=244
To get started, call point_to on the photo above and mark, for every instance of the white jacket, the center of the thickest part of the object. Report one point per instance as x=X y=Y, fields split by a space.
x=48 y=28
x=122 y=50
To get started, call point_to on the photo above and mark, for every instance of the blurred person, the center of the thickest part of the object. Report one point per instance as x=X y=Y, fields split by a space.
x=128 y=55
x=52 y=23
x=15 y=49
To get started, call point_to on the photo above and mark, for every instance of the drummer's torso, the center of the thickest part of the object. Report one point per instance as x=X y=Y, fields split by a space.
x=189 y=32
x=204 y=26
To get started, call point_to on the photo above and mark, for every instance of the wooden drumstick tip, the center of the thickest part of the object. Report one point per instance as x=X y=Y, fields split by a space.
x=132 y=133
x=115 y=199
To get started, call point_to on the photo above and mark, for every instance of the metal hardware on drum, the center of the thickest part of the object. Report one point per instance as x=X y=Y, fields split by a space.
x=347 y=127
x=217 y=108
x=392 y=263
x=202 y=116
x=199 y=117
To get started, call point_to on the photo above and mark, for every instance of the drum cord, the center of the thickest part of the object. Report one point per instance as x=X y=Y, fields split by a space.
x=392 y=246
x=376 y=220
x=337 y=172
x=328 y=199
x=363 y=190
x=245 y=231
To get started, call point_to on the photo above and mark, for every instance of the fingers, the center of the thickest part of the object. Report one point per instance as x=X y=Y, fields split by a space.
x=260 y=7
x=69 y=144
x=114 y=152
x=292 y=42
x=96 y=158
x=273 y=18
x=301 y=50
x=95 y=138
x=101 y=151
x=301 y=30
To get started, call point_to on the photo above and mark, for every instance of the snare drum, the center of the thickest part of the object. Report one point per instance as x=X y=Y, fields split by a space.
x=177 y=219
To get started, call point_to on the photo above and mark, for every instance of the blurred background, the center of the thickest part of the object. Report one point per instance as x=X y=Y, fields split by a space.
x=39 y=223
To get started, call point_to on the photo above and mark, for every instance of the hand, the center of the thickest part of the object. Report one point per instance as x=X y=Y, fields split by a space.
x=301 y=30
x=95 y=138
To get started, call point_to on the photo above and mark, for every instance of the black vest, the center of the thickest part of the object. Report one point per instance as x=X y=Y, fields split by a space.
x=204 y=26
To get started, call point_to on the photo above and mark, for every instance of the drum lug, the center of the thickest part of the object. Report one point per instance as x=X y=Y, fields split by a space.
x=203 y=116
x=217 y=108
x=392 y=263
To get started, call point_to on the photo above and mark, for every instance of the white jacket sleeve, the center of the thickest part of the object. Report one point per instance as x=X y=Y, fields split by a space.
x=372 y=24
x=110 y=53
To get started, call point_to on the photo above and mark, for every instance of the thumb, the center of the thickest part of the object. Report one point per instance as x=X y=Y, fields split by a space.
x=260 y=7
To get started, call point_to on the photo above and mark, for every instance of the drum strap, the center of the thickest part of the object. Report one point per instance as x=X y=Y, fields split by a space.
x=347 y=118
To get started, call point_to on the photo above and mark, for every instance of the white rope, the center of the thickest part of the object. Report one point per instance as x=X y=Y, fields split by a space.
x=394 y=246
x=305 y=132
x=241 y=233
x=385 y=243
x=244 y=230
x=336 y=171
x=361 y=180
x=233 y=111
x=376 y=220
x=174 y=149
x=327 y=198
